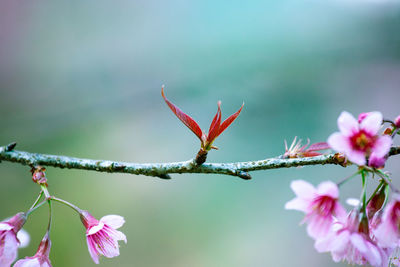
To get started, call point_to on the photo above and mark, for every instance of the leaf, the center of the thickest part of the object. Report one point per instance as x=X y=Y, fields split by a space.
x=229 y=120
x=186 y=119
x=215 y=124
x=318 y=146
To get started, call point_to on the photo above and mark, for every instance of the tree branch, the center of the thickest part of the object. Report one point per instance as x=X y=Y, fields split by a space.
x=162 y=170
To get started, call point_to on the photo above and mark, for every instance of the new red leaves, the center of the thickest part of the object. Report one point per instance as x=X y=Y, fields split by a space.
x=206 y=139
x=186 y=119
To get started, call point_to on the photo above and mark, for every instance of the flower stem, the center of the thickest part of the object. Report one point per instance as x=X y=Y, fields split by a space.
x=37 y=199
x=385 y=178
x=364 y=194
x=45 y=191
x=50 y=216
x=72 y=206
x=344 y=180
x=35 y=207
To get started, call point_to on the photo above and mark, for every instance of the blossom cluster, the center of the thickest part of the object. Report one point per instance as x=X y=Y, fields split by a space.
x=101 y=235
x=369 y=233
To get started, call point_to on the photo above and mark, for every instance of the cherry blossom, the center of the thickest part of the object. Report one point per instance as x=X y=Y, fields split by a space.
x=102 y=236
x=319 y=204
x=358 y=140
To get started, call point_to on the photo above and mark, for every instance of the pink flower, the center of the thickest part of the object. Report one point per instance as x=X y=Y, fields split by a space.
x=359 y=140
x=41 y=258
x=319 y=204
x=388 y=231
x=9 y=242
x=349 y=241
x=101 y=236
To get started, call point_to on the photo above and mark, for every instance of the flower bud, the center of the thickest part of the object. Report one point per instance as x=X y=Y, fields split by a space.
x=376 y=202
x=397 y=121
x=38 y=175
x=388 y=131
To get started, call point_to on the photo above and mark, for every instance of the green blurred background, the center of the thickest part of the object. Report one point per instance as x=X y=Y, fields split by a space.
x=83 y=78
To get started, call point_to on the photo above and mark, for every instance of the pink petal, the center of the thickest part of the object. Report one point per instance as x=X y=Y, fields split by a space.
x=298 y=204
x=372 y=123
x=318 y=227
x=347 y=123
x=23 y=238
x=340 y=242
x=337 y=141
x=121 y=236
x=94 y=229
x=357 y=157
x=386 y=236
x=30 y=262
x=5 y=227
x=376 y=162
x=328 y=188
x=110 y=250
x=323 y=244
x=359 y=242
x=382 y=146
x=373 y=256
x=114 y=221
x=10 y=247
x=340 y=212
x=92 y=250
x=303 y=189
x=362 y=116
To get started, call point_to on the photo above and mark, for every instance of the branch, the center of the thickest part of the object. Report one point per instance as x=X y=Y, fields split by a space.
x=162 y=170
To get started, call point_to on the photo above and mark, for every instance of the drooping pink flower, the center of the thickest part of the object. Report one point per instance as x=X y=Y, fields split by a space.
x=388 y=231
x=359 y=140
x=9 y=242
x=102 y=236
x=349 y=240
x=41 y=258
x=319 y=204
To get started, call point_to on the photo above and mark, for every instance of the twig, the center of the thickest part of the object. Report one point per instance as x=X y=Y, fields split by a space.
x=161 y=170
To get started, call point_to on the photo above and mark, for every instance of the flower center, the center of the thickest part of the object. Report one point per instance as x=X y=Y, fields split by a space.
x=362 y=141
x=323 y=205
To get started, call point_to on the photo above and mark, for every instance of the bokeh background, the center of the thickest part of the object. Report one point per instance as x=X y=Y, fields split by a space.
x=83 y=78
